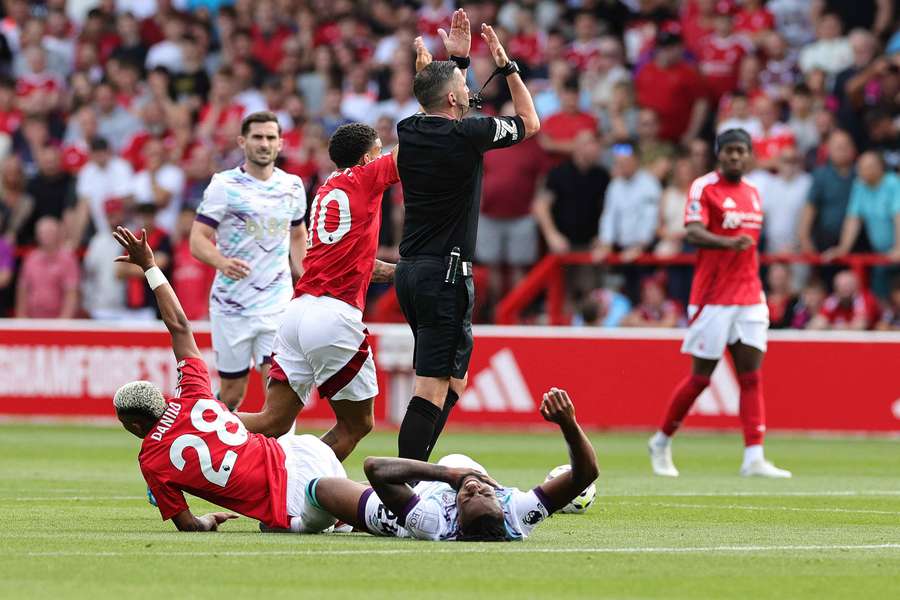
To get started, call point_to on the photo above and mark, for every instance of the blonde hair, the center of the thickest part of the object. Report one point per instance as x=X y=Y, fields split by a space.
x=140 y=397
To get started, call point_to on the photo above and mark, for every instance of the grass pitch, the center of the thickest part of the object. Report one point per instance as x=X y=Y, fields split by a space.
x=75 y=523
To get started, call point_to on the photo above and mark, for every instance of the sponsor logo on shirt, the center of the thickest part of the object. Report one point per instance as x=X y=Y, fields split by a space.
x=735 y=219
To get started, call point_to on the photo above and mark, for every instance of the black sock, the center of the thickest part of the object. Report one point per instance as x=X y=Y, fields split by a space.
x=417 y=428
x=449 y=403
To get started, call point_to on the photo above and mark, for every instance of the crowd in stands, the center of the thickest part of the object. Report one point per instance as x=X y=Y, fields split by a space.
x=120 y=111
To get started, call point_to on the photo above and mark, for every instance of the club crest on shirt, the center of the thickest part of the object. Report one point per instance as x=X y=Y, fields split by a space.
x=729 y=203
x=533 y=517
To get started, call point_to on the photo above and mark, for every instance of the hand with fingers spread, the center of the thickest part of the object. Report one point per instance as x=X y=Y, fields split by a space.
x=212 y=520
x=137 y=250
x=459 y=41
x=423 y=56
x=557 y=407
x=497 y=52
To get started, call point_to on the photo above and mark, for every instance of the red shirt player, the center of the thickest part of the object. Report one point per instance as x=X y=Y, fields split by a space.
x=194 y=444
x=727 y=306
x=321 y=340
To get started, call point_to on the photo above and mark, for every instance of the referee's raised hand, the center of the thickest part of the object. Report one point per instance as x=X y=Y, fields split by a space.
x=423 y=56
x=459 y=41
x=497 y=52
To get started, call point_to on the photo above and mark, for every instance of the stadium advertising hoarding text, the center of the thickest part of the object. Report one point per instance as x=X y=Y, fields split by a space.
x=618 y=378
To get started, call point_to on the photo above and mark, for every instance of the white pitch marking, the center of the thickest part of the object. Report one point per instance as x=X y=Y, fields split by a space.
x=505 y=549
x=763 y=508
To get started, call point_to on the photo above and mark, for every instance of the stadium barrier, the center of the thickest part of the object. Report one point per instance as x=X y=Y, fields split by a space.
x=547 y=276
x=830 y=381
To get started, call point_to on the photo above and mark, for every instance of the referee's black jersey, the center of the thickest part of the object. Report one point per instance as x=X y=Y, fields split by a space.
x=440 y=162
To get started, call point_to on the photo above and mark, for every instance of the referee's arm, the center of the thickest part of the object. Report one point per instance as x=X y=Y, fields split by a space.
x=521 y=97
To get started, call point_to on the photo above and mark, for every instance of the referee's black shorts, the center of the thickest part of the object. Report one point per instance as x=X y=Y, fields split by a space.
x=439 y=314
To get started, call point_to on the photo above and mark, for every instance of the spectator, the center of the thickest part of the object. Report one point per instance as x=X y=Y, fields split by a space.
x=52 y=189
x=802 y=121
x=673 y=89
x=739 y=116
x=654 y=310
x=754 y=19
x=191 y=279
x=105 y=177
x=823 y=215
x=548 y=100
x=114 y=123
x=890 y=318
x=332 y=116
x=793 y=19
x=784 y=195
x=883 y=133
x=131 y=47
x=221 y=110
x=81 y=129
x=7 y=271
x=831 y=51
x=313 y=84
x=875 y=206
x=672 y=203
x=102 y=290
x=269 y=36
x=780 y=73
x=812 y=298
x=167 y=52
x=198 y=173
x=620 y=117
x=586 y=45
x=359 y=95
x=851 y=83
x=602 y=308
x=774 y=136
x=36 y=85
x=160 y=183
x=190 y=84
x=15 y=201
x=720 y=54
x=849 y=307
x=48 y=281
x=604 y=72
x=507 y=229
x=630 y=209
x=655 y=155
x=700 y=155
x=569 y=206
x=401 y=104
x=558 y=131
x=33 y=135
x=780 y=296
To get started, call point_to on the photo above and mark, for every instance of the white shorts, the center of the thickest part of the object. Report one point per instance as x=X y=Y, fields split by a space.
x=715 y=327
x=307 y=458
x=241 y=341
x=322 y=341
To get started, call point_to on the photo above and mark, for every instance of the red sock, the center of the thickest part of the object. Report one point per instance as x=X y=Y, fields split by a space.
x=682 y=400
x=753 y=413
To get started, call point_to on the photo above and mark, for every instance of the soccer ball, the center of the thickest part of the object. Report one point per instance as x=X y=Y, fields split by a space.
x=583 y=501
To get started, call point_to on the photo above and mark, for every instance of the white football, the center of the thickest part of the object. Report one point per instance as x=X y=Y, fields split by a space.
x=583 y=501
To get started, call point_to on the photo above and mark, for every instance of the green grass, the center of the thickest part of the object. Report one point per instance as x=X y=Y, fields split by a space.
x=74 y=523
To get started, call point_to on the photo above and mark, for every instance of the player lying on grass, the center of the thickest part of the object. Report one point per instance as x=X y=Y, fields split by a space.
x=193 y=443
x=321 y=339
x=456 y=499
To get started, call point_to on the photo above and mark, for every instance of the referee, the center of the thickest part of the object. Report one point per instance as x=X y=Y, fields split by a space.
x=440 y=162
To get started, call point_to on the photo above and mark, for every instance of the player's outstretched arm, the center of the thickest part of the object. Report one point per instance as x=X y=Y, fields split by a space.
x=138 y=252
x=390 y=478
x=186 y=521
x=557 y=407
x=700 y=236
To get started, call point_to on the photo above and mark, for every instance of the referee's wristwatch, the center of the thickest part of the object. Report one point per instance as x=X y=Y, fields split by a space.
x=510 y=68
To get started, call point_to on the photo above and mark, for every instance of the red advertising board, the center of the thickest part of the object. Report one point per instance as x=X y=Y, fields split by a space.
x=618 y=378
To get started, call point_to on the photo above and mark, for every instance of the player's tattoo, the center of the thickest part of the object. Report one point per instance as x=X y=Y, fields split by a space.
x=383 y=272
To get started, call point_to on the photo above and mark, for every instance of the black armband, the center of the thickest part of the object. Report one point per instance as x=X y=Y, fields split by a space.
x=510 y=68
x=461 y=61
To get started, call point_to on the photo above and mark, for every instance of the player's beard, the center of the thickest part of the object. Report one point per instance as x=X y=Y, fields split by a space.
x=260 y=162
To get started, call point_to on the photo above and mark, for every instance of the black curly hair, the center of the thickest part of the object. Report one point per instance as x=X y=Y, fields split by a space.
x=348 y=144
x=486 y=528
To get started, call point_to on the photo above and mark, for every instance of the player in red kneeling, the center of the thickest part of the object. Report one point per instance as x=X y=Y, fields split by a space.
x=727 y=306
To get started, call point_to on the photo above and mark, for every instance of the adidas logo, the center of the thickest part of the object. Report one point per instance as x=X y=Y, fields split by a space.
x=729 y=203
x=498 y=388
x=723 y=396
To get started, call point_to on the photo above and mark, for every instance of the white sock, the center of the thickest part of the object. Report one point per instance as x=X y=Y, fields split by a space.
x=660 y=439
x=753 y=453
